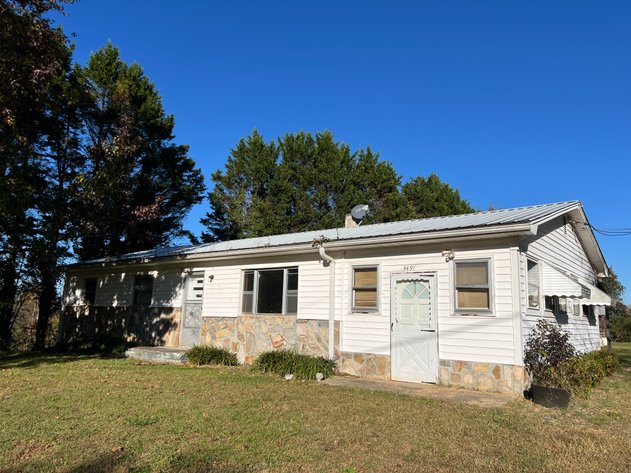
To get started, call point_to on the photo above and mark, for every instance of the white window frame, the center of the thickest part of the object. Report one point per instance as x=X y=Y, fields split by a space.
x=542 y=301
x=255 y=290
x=365 y=310
x=490 y=286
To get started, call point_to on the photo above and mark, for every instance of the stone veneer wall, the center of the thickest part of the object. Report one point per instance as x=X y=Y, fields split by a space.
x=490 y=377
x=145 y=325
x=249 y=335
x=365 y=365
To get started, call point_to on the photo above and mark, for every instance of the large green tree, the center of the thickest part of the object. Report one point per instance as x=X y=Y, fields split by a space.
x=307 y=182
x=33 y=56
x=138 y=184
x=430 y=197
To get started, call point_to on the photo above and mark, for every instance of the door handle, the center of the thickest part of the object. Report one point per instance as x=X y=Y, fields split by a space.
x=423 y=330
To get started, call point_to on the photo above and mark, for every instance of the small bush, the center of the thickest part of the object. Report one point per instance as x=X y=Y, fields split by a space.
x=211 y=356
x=284 y=362
x=547 y=347
x=581 y=373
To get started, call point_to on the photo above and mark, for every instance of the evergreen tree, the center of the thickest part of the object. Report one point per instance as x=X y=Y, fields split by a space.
x=138 y=184
x=430 y=197
x=33 y=55
x=304 y=182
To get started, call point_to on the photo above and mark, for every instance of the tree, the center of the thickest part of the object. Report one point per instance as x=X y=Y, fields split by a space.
x=33 y=55
x=618 y=314
x=137 y=184
x=430 y=197
x=306 y=182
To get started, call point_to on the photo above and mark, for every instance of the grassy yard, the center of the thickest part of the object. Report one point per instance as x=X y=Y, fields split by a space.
x=77 y=414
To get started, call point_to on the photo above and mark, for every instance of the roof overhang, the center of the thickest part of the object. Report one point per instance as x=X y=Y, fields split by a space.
x=583 y=230
x=500 y=231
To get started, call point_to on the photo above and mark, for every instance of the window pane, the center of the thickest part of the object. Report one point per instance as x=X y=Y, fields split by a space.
x=562 y=305
x=366 y=298
x=90 y=290
x=472 y=273
x=270 y=295
x=473 y=298
x=248 y=298
x=292 y=304
x=248 y=280
x=292 y=279
x=533 y=285
x=365 y=277
x=143 y=288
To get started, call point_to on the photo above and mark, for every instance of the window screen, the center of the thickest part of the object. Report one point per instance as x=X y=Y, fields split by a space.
x=365 y=288
x=533 y=285
x=143 y=289
x=472 y=285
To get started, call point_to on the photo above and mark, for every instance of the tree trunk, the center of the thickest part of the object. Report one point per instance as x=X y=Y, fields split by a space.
x=45 y=307
x=8 y=291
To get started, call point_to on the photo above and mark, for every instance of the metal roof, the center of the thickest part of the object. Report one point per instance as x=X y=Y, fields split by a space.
x=491 y=218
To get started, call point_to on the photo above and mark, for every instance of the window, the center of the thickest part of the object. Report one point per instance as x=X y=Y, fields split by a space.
x=90 y=291
x=365 y=288
x=577 y=307
x=143 y=289
x=473 y=289
x=533 y=285
x=550 y=302
x=270 y=291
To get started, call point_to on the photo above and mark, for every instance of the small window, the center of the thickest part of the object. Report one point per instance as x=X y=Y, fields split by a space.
x=562 y=305
x=365 y=288
x=90 y=291
x=533 y=285
x=270 y=291
x=473 y=290
x=577 y=307
x=143 y=290
x=550 y=302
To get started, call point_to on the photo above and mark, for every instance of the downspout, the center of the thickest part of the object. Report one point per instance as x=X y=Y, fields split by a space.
x=331 y=261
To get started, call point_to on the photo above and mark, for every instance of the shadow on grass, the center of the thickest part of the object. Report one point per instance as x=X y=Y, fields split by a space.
x=35 y=359
x=124 y=461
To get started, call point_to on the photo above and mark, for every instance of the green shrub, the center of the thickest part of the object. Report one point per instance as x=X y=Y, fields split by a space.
x=205 y=355
x=284 y=362
x=581 y=373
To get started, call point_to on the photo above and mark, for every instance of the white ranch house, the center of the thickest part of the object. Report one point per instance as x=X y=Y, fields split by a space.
x=446 y=300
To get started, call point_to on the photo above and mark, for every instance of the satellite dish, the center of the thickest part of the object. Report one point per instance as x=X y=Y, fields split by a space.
x=359 y=212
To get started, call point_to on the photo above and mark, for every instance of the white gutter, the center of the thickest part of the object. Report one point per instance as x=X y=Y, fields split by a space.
x=331 y=261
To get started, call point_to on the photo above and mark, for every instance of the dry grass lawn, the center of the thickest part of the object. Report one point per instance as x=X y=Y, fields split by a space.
x=74 y=414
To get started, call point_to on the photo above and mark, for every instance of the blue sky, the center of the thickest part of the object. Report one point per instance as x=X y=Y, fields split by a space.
x=513 y=103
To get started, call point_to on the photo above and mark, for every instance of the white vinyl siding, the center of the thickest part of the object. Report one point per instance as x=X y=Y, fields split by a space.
x=557 y=245
x=478 y=339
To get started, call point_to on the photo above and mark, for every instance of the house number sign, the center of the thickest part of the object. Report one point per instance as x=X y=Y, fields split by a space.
x=408 y=268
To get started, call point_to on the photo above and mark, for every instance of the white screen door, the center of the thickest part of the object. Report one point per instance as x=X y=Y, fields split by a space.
x=414 y=343
x=192 y=315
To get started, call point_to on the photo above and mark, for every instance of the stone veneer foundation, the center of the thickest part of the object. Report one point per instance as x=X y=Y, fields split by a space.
x=490 y=377
x=364 y=365
x=249 y=335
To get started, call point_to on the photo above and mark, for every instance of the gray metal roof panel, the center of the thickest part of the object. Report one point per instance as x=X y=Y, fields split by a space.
x=499 y=217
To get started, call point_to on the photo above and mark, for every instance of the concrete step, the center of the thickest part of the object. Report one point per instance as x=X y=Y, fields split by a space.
x=158 y=354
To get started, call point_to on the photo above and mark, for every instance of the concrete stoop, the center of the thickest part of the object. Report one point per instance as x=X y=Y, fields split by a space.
x=158 y=354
